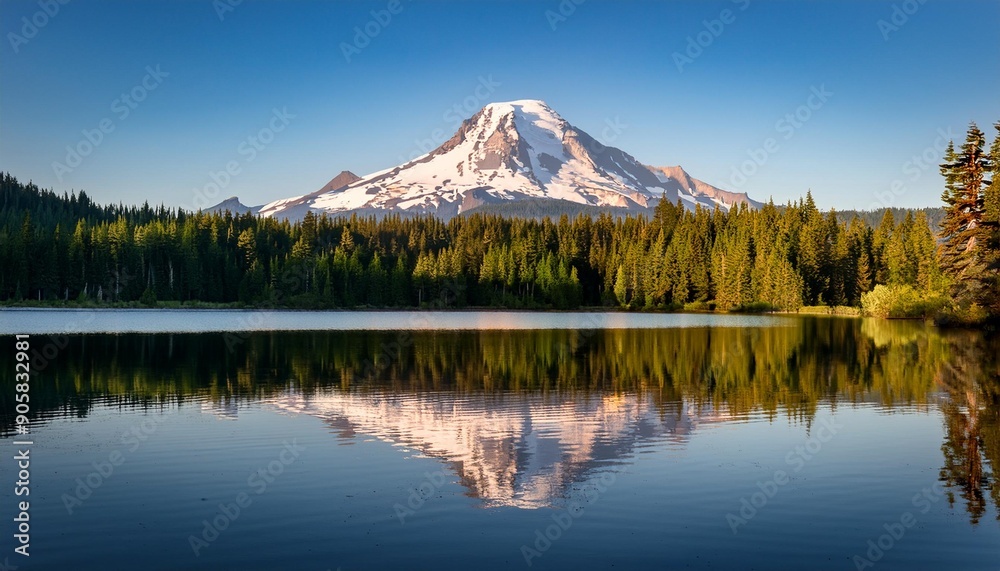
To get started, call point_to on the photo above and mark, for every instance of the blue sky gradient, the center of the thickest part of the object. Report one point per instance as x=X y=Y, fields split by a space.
x=622 y=71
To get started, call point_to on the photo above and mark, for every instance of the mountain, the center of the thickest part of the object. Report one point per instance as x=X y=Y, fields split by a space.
x=296 y=207
x=695 y=188
x=292 y=208
x=340 y=181
x=233 y=204
x=510 y=151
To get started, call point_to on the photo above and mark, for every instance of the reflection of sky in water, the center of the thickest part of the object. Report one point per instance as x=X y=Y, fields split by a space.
x=689 y=420
x=165 y=320
x=678 y=470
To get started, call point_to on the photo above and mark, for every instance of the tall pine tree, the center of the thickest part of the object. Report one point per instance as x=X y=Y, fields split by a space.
x=962 y=230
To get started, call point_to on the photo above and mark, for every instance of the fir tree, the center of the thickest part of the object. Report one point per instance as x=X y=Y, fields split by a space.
x=962 y=229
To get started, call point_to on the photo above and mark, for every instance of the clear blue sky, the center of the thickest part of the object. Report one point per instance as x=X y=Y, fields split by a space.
x=605 y=61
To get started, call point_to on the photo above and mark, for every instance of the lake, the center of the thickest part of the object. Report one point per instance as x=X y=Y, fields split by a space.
x=502 y=440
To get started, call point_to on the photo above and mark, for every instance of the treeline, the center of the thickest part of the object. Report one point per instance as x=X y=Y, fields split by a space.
x=785 y=258
x=67 y=248
x=49 y=208
x=934 y=215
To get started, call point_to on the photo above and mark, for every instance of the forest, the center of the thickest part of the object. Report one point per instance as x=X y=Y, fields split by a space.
x=67 y=249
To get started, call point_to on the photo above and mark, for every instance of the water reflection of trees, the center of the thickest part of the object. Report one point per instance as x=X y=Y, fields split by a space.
x=971 y=378
x=778 y=370
x=735 y=370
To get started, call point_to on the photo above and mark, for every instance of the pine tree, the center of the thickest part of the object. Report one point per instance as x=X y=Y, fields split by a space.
x=962 y=229
x=860 y=259
x=880 y=243
x=991 y=228
x=814 y=256
x=399 y=283
x=621 y=287
x=76 y=270
x=899 y=258
x=923 y=250
x=423 y=276
x=24 y=252
x=376 y=280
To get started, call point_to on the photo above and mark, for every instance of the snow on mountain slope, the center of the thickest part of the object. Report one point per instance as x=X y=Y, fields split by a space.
x=688 y=184
x=506 y=151
x=295 y=208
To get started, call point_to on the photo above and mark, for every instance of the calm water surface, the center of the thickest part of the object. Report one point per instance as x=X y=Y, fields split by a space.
x=688 y=442
x=16 y=321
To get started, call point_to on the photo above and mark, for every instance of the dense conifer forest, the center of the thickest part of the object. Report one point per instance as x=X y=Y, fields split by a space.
x=67 y=248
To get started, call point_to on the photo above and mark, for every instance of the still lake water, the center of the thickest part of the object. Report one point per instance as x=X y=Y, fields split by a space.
x=493 y=440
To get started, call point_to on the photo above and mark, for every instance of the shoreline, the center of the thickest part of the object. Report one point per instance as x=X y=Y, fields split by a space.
x=834 y=312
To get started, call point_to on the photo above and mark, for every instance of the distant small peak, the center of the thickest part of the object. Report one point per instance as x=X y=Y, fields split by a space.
x=340 y=181
x=674 y=168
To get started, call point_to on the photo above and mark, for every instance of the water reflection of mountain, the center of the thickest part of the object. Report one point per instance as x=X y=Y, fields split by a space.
x=771 y=371
x=225 y=409
x=512 y=449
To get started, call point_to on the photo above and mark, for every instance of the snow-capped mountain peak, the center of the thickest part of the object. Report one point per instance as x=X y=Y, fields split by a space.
x=506 y=151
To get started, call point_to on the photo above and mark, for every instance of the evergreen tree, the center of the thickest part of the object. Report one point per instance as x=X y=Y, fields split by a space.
x=991 y=228
x=621 y=287
x=962 y=229
x=880 y=243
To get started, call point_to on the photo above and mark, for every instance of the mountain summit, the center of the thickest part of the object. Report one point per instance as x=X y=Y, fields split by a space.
x=506 y=152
